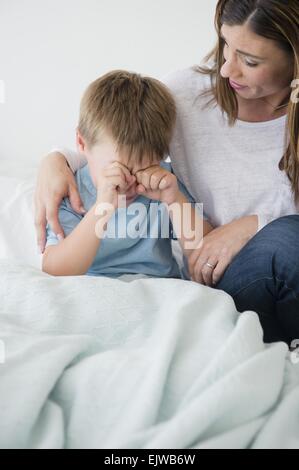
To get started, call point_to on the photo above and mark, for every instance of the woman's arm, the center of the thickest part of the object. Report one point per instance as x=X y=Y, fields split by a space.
x=75 y=254
x=75 y=160
x=55 y=181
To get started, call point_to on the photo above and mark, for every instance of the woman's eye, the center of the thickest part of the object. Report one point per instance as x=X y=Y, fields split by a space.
x=251 y=64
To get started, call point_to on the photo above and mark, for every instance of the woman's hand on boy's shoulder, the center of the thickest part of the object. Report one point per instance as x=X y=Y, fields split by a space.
x=55 y=181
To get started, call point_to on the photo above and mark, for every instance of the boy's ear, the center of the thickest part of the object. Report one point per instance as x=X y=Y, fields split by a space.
x=80 y=142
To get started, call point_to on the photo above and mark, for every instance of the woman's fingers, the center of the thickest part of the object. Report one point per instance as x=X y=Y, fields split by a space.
x=52 y=216
x=208 y=271
x=201 y=266
x=197 y=270
x=220 y=269
x=204 y=273
x=40 y=227
x=55 y=181
x=192 y=259
x=75 y=199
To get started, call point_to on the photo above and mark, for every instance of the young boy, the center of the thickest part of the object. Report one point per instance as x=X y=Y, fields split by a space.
x=124 y=130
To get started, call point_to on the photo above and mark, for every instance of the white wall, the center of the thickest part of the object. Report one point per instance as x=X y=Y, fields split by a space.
x=50 y=50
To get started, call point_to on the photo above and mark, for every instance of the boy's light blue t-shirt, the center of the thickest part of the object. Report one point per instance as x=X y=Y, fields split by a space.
x=120 y=253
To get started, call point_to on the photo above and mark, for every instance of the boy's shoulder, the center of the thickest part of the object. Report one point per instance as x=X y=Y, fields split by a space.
x=82 y=173
x=166 y=165
x=84 y=180
x=86 y=189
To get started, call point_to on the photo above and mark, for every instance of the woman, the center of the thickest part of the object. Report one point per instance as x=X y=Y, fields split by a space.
x=236 y=148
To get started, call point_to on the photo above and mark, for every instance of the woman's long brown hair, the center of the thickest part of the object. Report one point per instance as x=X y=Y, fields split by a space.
x=277 y=20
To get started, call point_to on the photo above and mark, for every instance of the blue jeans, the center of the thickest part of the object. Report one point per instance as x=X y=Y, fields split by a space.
x=264 y=277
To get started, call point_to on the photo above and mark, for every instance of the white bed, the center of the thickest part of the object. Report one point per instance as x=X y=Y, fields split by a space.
x=91 y=362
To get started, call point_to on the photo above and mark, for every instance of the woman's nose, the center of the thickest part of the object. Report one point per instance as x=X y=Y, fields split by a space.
x=227 y=69
x=230 y=68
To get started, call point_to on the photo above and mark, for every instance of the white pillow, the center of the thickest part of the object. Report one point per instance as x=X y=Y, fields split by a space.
x=17 y=231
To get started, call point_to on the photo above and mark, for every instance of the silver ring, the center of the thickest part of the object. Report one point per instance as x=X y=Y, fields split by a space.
x=210 y=266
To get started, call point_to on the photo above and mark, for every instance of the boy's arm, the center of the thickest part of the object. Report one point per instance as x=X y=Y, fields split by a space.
x=189 y=226
x=160 y=183
x=75 y=253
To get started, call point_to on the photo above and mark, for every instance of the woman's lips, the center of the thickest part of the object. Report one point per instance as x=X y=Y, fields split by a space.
x=236 y=86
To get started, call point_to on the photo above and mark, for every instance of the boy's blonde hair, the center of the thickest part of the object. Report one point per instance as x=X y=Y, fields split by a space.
x=138 y=112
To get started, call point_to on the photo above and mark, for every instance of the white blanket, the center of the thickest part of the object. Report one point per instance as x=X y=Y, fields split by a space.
x=152 y=363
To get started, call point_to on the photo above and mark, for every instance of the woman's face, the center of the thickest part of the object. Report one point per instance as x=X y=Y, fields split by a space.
x=255 y=66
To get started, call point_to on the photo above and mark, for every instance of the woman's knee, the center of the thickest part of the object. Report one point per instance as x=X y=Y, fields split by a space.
x=284 y=230
x=272 y=253
x=281 y=240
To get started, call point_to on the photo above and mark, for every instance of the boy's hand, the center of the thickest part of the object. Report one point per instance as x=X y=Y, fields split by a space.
x=113 y=182
x=158 y=184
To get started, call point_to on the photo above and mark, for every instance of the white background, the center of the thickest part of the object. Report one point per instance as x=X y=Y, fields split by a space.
x=50 y=50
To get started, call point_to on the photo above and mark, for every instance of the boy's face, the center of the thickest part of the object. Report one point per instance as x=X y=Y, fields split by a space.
x=104 y=154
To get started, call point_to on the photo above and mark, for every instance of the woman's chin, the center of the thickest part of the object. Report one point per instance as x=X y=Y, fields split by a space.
x=244 y=92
